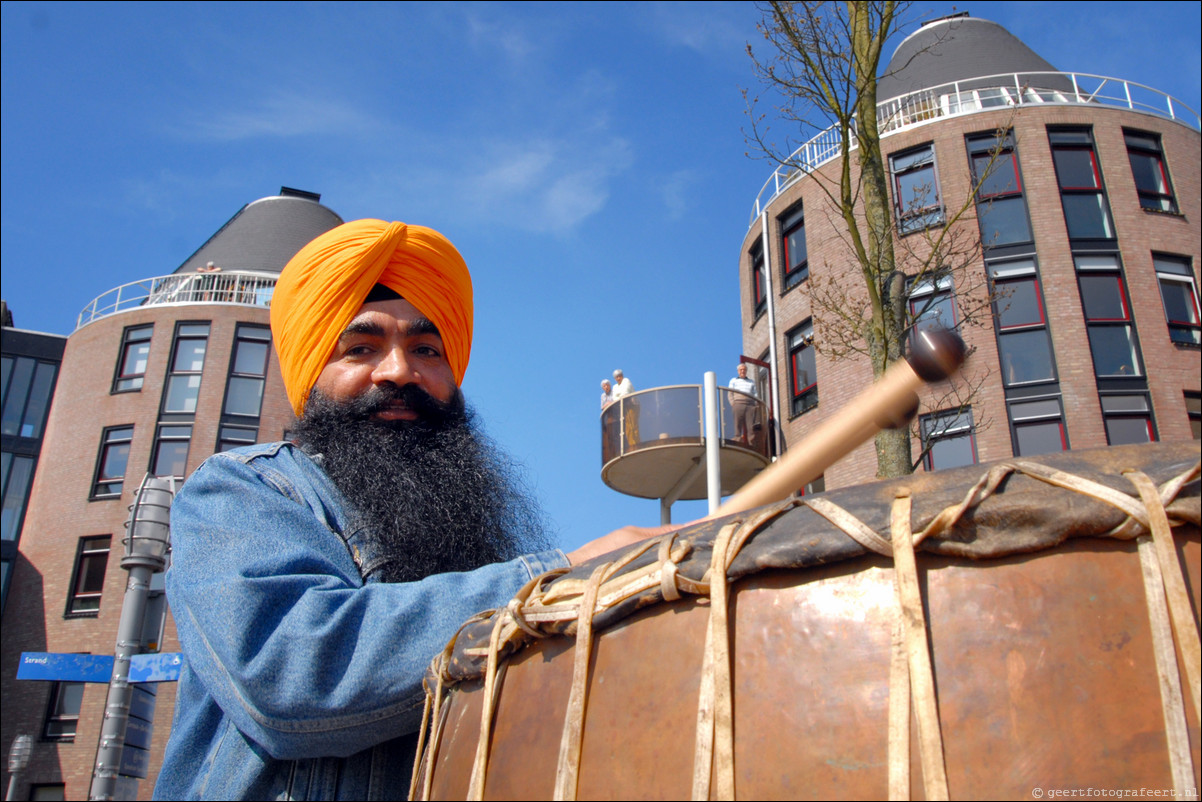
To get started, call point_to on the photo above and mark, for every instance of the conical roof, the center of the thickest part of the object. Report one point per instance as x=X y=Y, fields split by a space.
x=265 y=234
x=959 y=48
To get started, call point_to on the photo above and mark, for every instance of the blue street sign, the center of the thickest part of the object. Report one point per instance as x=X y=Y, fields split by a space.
x=155 y=667
x=141 y=703
x=135 y=762
x=138 y=732
x=97 y=667
x=65 y=667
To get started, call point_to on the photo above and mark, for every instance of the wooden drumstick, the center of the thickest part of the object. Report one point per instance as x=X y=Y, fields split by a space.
x=936 y=355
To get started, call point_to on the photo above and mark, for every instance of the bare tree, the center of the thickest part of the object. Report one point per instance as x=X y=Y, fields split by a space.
x=822 y=72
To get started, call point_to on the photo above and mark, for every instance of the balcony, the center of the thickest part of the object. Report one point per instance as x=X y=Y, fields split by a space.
x=972 y=96
x=653 y=440
x=239 y=288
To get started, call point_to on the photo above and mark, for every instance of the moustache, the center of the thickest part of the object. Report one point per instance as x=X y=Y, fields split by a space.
x=411 y=397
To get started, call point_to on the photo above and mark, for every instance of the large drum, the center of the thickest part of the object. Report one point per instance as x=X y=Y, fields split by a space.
x=1016 y=630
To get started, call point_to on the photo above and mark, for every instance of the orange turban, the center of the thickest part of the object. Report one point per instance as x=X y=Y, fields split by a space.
x=322 y=288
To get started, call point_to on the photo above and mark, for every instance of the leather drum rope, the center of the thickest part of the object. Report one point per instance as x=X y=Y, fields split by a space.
x=1031 y=632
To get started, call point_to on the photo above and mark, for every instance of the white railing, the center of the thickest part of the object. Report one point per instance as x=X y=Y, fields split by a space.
x=242 y=288
x=974 y=95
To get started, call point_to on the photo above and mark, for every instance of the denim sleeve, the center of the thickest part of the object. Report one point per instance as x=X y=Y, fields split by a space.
x=304 y=657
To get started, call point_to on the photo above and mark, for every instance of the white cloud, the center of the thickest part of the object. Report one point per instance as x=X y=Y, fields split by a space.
x=677 y=191
x=284 y=115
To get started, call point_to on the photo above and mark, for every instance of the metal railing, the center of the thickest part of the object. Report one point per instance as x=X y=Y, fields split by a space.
x=974 y=95
x=666 y=416
x=242 y=288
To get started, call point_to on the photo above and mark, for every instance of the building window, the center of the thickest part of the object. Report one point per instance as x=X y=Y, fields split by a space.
x=1024 y=347
x=793 y=238
x=759 y=290
x=87 y=582
x=47 y=792
x=17 y=473
x=1193 y=408
x=62 y=716
x=1128 y=418
x=1151 y=177
x=948 y=440
x=1112 y=337
x=135 y=352
x=187 y=363
x=1037 y=426
x=1180 y=296
x=110 y=465
x=27 y=387
x=170 y=453
x=916 y=189
x=230 y=437
x=1001 y=206
x=1086 y=212
x=248 y=371
x=932 y=305
x=803 y=378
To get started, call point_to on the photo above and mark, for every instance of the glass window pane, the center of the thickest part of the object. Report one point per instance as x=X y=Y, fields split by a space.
x=1002 y=178
x=951 y=452
x=181 y=394
x=189 y=355
x=916 y=190
x=1086 y=217
x=1029 y=410
x=18 y=391
x=91 y=573
x=1038 y=438
x=1113 y=351
x=14 y=494
x=1124 y=403
x=1123 y=431
x=244 y=396
x=1004 y=221
x=1148 y=175
x=39 y=400
x=1102 y=296
x=1018 y=303
x=1180 y=304
x=1075 y=167
x=112 y=465
x=251 y=358
x=172 y=458
x=70 y=697
x=1026 y=356
x=194 y=330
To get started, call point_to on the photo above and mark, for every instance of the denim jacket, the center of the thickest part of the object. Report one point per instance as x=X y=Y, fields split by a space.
x=301 y=680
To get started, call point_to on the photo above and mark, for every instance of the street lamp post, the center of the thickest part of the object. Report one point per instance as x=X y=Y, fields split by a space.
x=18 y=758
x=147 y=541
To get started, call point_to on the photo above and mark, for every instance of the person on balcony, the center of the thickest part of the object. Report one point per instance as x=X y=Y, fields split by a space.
x=630 y=410
x=743 y=406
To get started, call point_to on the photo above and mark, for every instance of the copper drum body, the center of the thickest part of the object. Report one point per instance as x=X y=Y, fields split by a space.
x=1040 y=642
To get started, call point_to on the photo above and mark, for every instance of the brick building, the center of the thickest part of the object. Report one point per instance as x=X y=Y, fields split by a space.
x=1084 y=265
x=159 y=374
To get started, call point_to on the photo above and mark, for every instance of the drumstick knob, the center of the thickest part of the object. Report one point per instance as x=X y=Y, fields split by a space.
x=936 y=354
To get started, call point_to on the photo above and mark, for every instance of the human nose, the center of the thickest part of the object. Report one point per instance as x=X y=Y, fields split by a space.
x=395 y=368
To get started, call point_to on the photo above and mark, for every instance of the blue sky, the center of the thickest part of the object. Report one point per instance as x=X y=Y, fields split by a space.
x=587 y=159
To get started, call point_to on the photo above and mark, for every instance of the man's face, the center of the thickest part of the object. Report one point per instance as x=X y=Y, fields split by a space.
x=388 y=342
x=742 y=370
x=605 y=386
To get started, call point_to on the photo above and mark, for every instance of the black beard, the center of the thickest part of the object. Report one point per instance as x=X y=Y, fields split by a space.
x=436 y=494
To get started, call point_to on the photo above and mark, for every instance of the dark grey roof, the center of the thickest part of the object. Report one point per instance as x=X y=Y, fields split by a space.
x=265 y=234
x=957 y=48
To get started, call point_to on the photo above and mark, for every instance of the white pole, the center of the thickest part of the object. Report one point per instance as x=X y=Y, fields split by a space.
x=713 y=458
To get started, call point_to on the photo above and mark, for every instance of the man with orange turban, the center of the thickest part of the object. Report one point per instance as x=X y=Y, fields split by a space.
x=312 y=581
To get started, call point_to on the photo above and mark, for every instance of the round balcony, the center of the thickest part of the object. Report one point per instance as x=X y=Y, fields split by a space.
x=242 y=287
x=653 y=440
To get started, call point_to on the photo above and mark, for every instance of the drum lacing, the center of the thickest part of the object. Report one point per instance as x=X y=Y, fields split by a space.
x=578 y=601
